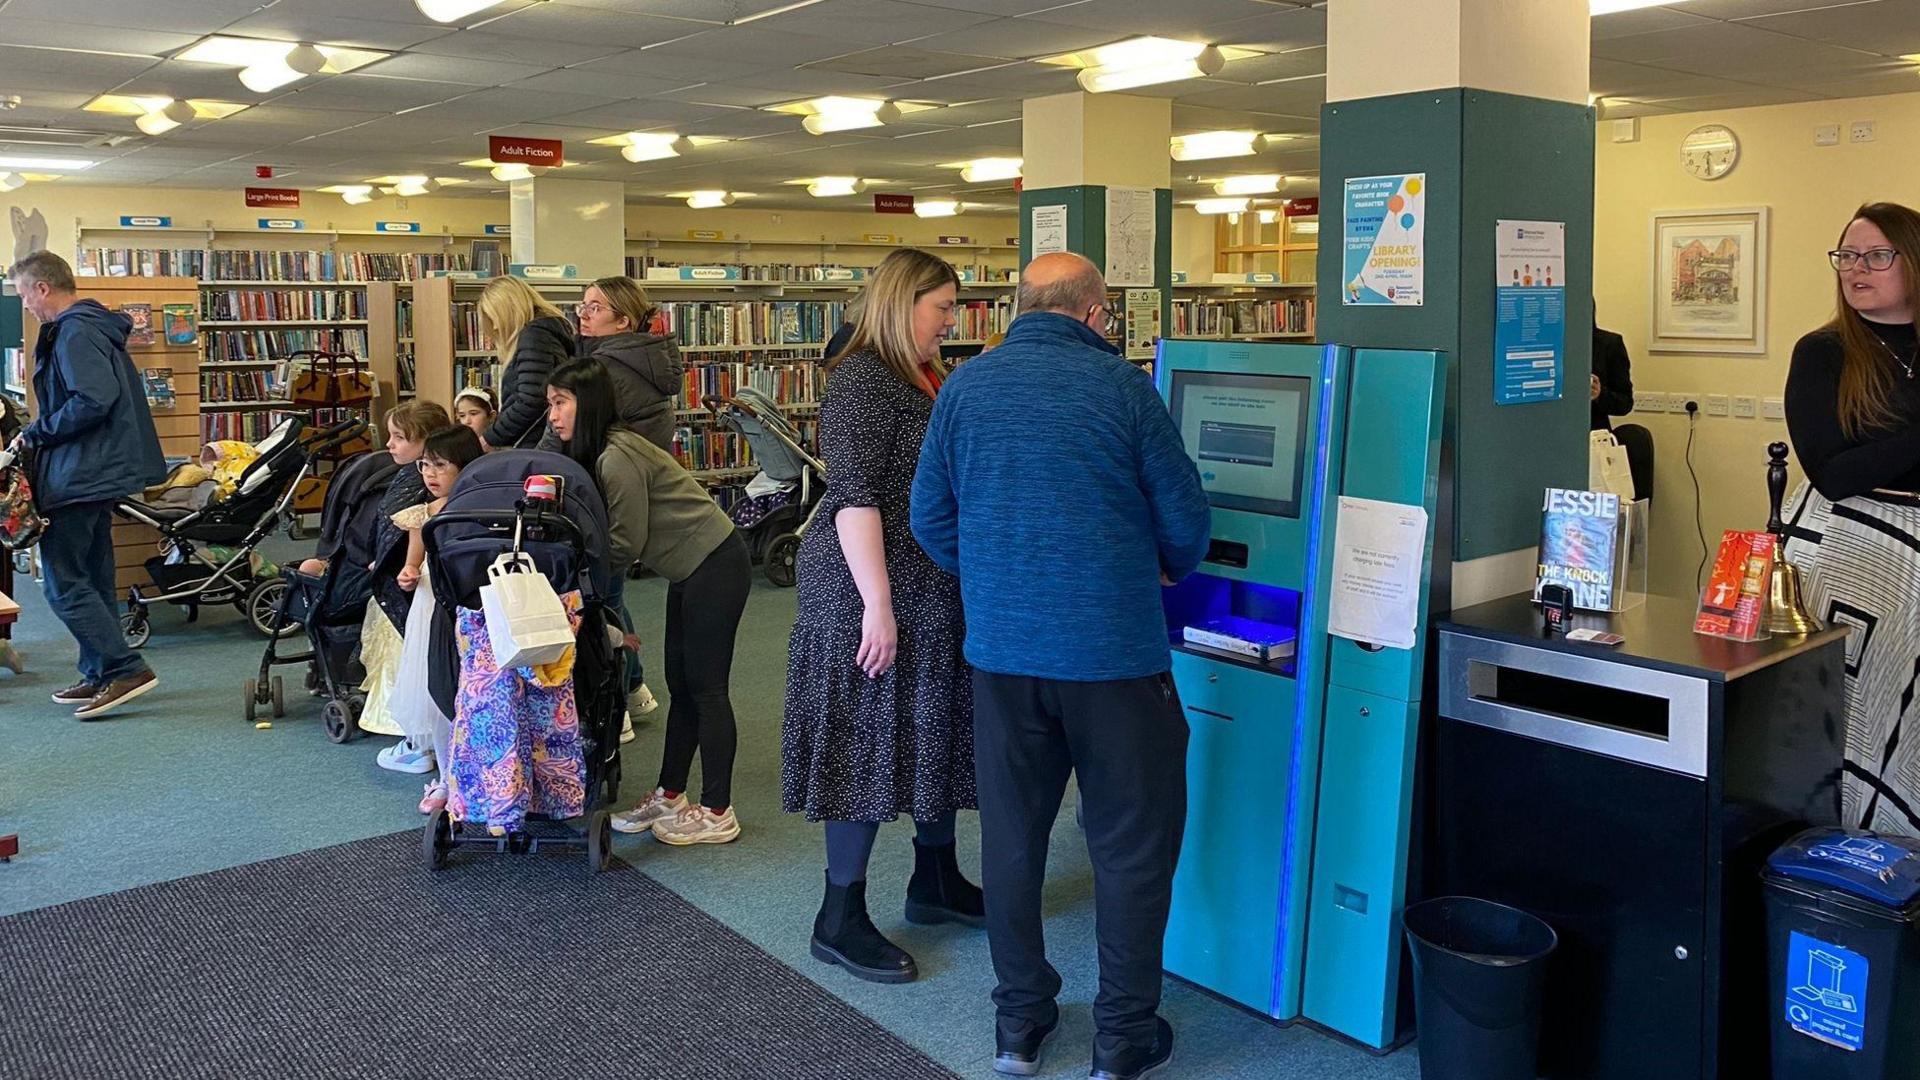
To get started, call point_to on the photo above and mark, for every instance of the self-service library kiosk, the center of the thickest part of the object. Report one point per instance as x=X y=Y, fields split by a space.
x=1293 y=871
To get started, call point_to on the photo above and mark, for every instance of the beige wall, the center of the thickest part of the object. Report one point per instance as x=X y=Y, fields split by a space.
x=1811 y=192
x=1193 y=243
x=1536 y=48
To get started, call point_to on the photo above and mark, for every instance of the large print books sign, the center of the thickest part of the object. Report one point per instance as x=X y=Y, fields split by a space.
x=1580 y=546
x=1384 y=242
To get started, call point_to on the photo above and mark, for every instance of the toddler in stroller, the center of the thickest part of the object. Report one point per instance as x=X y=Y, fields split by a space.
x=783 y=498
x=530 y=748
x=329 y=595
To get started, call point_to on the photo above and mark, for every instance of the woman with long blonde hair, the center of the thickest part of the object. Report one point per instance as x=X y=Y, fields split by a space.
x=1853 y=411
x=531 y=337
x=879 y=717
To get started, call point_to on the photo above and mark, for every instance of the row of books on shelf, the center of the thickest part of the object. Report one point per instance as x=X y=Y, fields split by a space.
x=467 y=332
x=797 y=383
x=1210 y=317
x=232 y=264
x=706 y=449
x=263 y=384
x=746 y=322
x=976 y=320
x=240 y=426
x=236 y=346
x=251 y=304
x=639 y=268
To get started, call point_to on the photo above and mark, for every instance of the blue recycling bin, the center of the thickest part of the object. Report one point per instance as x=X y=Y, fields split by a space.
x=1844 y=959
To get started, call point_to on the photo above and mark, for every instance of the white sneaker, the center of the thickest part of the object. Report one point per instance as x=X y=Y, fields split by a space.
x=655 y=807
x=404 y=757
x=697 y=825
x=626 y=727
x=641 y=702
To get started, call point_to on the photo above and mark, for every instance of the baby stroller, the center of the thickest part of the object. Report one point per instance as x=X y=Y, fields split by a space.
x=782 y=500
x=487 y=514
x=184 y=574
x=332 y=605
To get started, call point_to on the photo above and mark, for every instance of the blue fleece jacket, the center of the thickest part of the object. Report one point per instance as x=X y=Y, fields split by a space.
x=1055 y=485
x=95 y=437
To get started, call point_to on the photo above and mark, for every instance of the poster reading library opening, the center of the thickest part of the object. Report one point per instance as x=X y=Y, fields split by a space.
x=1385 y=241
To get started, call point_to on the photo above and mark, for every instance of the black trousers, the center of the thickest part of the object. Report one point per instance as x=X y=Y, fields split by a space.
x=703 y=617
x=1127 y=741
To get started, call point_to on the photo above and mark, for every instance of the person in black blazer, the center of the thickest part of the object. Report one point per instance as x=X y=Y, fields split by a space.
x=1611 y=385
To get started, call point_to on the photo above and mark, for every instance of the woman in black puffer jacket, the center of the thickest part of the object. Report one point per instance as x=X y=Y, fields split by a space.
x=531 y=337
x=645 y=366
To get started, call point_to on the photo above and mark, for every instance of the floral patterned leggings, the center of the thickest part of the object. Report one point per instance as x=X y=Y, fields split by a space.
x=516 y=735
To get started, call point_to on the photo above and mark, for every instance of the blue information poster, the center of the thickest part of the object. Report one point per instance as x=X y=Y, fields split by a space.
x=1384 y=241
x=1530 y=312
x=1826 y=991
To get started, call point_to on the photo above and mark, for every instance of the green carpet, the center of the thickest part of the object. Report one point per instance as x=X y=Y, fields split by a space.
x=181 y=785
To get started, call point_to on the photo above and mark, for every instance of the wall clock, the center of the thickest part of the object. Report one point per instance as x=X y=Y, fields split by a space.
x=1709 y=152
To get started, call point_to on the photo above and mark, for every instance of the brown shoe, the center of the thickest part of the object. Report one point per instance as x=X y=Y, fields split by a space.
x=117 y=693
x=78 y=694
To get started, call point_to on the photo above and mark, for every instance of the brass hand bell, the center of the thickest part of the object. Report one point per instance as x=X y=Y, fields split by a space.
x=1786 y=611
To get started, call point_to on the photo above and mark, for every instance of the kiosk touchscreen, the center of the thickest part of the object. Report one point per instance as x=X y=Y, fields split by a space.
x=1246 y=433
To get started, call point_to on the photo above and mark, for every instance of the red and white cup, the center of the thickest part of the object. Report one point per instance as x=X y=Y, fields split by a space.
x=542 y=486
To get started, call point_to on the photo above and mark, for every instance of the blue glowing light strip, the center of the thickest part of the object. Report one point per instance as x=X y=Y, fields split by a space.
x=1307 y=645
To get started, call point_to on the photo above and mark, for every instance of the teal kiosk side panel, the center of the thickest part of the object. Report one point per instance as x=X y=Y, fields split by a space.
x=1265 y=423
x=1363 y=826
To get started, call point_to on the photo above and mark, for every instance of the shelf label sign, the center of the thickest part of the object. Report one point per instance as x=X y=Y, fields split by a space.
x=396 y=226
x=136 y=221
x=273 y=197
x=839 y=273
x=705 y=234
x=892 y=204
x=282 y=223
x=710 y=273
x=880 y=238
x=1303 y=207
x=953 y=240
x=544 y=271
x=1179 y=277
x=497 y=230
x=513 y=150
x=1263 y=278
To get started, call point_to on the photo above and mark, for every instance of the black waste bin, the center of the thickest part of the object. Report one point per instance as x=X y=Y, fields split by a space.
x=1843 y=958
x=1478 y=972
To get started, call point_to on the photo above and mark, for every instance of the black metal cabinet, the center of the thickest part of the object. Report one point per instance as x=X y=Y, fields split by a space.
x=1628 y=796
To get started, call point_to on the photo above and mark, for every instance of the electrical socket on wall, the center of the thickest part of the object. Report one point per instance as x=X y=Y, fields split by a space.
x=1860 y=131
x=1627 y=130
x=1773 y=408
x=1677 y=402
x=1717 y=405
x=1745 y=406
x=1649 y=401
x=1826 y=135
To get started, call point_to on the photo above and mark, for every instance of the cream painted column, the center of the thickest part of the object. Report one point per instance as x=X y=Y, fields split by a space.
x=1076 y=148
x=582 y=222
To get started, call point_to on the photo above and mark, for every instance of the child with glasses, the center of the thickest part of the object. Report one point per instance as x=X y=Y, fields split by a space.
x=447 y=451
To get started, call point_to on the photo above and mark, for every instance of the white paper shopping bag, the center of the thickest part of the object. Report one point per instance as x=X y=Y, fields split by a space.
x=526 y=622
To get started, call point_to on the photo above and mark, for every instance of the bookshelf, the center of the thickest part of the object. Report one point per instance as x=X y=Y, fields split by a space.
x=178 y=424
x=1286 y=246
x=1226 y=310
x=800 y=259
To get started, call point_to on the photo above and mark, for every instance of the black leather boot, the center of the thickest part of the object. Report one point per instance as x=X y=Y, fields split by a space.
x=843 y=934
x=938 y=893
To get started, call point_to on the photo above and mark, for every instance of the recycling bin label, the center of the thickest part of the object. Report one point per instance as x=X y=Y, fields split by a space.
x=1826 y=991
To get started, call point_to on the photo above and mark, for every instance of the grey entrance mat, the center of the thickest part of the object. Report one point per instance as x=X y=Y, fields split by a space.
x=356 y=961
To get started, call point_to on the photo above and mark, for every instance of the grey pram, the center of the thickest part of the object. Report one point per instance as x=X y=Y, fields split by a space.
x=782 y=500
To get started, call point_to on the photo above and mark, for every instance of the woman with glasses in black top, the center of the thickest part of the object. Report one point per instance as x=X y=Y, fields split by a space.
x=1853 y=411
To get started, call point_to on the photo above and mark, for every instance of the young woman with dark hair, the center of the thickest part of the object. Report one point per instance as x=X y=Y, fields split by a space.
x=1853 y=411
x=659 y=515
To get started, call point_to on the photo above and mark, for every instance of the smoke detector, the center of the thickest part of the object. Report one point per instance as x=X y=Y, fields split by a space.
x=9 y=101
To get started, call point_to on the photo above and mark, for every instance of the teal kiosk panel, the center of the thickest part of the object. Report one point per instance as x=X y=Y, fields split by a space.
x=1292 y=872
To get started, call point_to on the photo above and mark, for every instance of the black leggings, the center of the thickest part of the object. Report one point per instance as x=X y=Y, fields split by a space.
x=703 y=616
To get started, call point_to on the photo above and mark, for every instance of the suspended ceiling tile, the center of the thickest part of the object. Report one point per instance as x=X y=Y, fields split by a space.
x=606 y=84
x=813 y=82
x=1005 y=7
x=373 y=95
x=1611 y=78
x=404 y=11
x=289 y=22
x=178 y=79
x=1747 y=9
x=1276 y=31
x=501 y=105
x=566 y=23
x=662 y=64
x=1014 y=80
x=1884 y=28
x=902 y=62
x=1649 y=20
x=1019 y=39
x=1752 y=97
x=1890 y=79
x=173 y=16
x=484 y=45
x=69 y=71
x=878 y=22
x=708 y=12
x=751 y=44
x=63 y=34
x=1734 y=50
x=739 y=124
x=1288 y=65
x=1187 y=19
x=730 y=96
x=450 y=69
x=640 y=115
x=1301 y=98
x=1627 y=109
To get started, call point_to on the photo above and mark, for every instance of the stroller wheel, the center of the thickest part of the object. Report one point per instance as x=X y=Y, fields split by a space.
x=356 y=704
x=136 y=629
x=599 y=841
x=262 y=608
x=783 y=559
x=251 y=709
x=279 y=698
x=436 y=840
x=338 y=722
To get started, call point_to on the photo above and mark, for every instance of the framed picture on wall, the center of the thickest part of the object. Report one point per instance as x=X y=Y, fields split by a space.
x=1709 y=278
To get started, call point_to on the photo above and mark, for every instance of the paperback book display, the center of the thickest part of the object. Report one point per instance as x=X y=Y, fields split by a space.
x=179 y=324
x=142 y=316
x=1219 y=318
x=160 y=393
x=234 y=305
x=1734 y=600
x=1594 y=543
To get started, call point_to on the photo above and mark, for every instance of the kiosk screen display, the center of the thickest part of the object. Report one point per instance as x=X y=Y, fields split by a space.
x=1247 y=433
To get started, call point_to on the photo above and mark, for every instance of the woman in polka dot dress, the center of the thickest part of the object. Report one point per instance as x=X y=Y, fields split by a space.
x=879 y=711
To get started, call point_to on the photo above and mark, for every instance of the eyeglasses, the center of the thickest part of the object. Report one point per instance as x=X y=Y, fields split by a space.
x=434 y=466
x=1113 y=322
x=588 y=307
x=1874 y=258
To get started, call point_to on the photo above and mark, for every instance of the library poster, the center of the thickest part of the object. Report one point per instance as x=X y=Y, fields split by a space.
x=1384 y=241
x=1049 y=230
x=1143 y=323
x=179 y=322
x=1131 y=234
x=1530 y=311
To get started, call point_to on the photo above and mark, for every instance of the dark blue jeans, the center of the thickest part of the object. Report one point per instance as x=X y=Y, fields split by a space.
x=76 y=553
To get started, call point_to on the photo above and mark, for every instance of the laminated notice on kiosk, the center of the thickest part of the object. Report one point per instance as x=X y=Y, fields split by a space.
x=1378 y=552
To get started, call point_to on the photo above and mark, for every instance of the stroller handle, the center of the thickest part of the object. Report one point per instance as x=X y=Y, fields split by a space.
x=503 y=522
x=343 y=432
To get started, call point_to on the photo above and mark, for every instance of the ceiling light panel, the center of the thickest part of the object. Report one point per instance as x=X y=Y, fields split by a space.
x=249 y=52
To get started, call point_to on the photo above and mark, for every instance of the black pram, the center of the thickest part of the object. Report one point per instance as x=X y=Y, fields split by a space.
x=486 y=515
x=332 y=606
